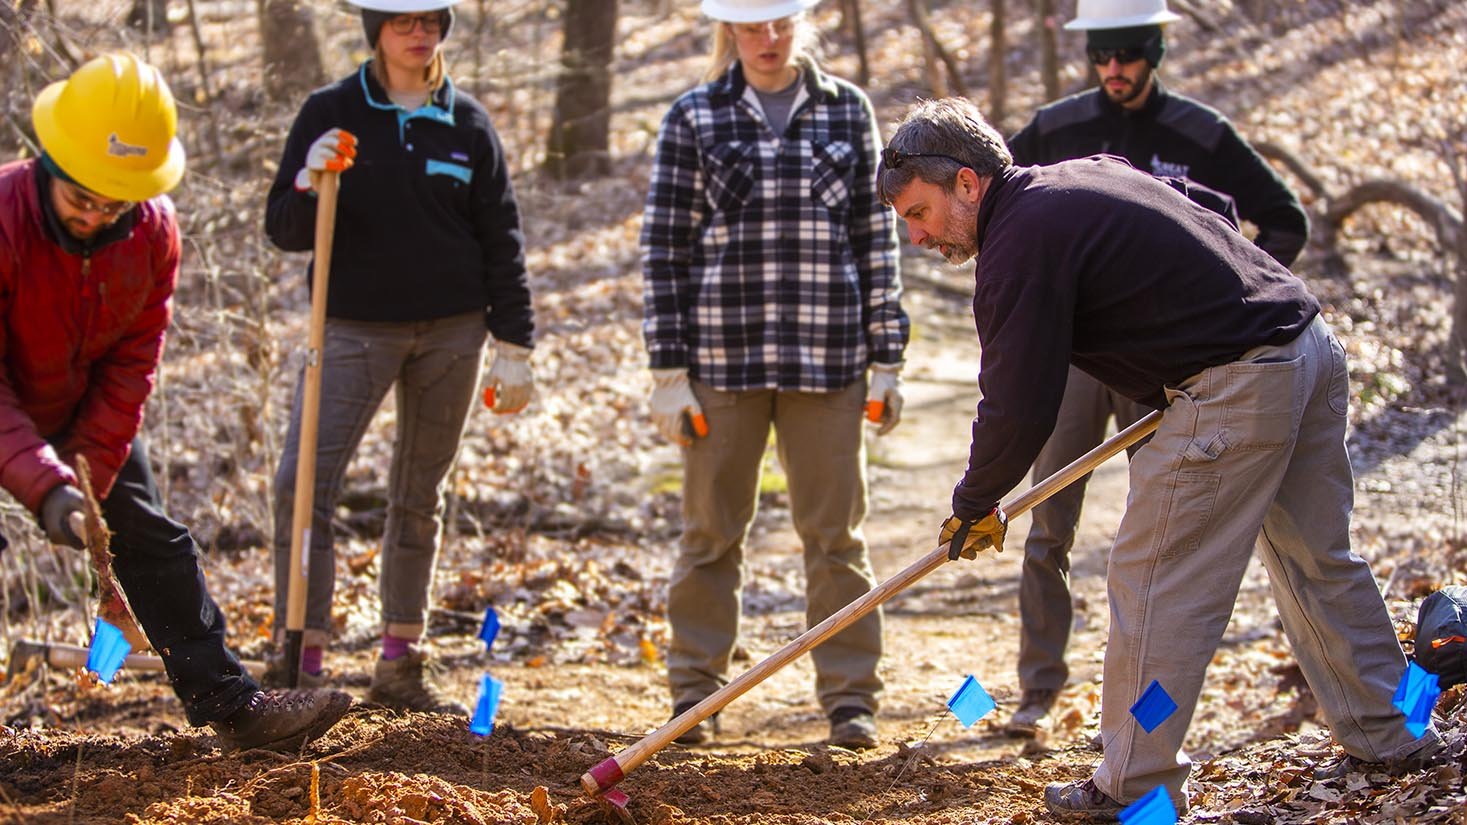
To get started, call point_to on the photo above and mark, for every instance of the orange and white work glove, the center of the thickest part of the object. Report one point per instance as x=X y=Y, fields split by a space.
x=967 y=538
x=675 y=409
x=509 y=382
x=884 y=397
x=334 y=151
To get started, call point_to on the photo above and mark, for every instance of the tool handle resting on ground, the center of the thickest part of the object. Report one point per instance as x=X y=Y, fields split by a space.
x=611 y=771
x=26 y=653
x=305 y=465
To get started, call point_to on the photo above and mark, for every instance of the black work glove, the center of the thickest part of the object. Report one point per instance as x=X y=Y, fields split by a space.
x=56 y=512
x=966 y=538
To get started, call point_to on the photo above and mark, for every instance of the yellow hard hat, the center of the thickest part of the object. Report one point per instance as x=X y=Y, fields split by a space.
x=112 y=127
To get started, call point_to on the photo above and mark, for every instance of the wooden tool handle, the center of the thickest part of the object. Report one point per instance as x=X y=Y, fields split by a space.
x=305 y=465
x=612 y=770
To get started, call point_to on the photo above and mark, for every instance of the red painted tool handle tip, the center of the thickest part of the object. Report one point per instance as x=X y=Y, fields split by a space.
x=603 y=776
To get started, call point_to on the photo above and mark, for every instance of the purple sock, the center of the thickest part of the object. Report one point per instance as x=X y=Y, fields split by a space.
x=395 y=647
x=311 y=660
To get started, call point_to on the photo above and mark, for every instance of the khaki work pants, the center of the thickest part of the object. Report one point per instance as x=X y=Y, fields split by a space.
x=1045 y=608
x=820 y=445
x=1248 y=454
x=435 y=367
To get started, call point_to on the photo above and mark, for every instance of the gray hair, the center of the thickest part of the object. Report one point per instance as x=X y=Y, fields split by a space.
x=935 y=139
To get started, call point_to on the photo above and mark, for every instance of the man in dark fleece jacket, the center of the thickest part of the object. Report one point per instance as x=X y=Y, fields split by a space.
x=1131 y=114
x=1095 y=264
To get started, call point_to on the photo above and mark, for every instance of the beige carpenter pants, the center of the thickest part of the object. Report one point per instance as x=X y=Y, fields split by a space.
x=434 y=368
x=1248 y=454
x=821 y=447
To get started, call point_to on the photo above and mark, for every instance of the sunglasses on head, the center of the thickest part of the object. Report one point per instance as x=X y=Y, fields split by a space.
x=1124 y=54
x=894 y=158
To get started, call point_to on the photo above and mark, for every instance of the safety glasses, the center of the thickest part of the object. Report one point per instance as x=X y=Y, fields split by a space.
x=83 y=201
x=894 y=158
x=432 y=23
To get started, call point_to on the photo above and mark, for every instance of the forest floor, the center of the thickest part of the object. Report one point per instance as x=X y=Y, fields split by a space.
x=564 y=519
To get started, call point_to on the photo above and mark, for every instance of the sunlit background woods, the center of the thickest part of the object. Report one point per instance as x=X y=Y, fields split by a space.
x=572 y=503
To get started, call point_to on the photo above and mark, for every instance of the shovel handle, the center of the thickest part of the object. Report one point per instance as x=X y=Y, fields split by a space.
x=611 y=771
x=305 y=465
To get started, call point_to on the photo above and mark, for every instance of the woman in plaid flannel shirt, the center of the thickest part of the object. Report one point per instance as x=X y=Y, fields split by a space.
x=771 y=287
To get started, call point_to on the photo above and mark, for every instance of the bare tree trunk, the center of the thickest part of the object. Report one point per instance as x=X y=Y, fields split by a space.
x=851 y=13
x=292 y=53
x=149 y=17
x=580 y=133
x=998 y=48
x=1048 y=49
x=931 y=48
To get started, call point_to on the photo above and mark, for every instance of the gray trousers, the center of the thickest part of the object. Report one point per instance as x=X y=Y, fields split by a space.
x=1248 y=454
x=1045 y=610
x=821 y=447
x=435 y=368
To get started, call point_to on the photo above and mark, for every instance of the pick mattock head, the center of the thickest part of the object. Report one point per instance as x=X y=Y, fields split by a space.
x=25 y=657
x=615 y=803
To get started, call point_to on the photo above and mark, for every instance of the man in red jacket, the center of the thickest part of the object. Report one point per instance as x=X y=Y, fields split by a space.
x=89 y=256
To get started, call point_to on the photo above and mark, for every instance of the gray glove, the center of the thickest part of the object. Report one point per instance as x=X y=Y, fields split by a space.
x=56 y=512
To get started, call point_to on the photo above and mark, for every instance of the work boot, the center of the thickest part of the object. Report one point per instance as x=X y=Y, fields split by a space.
x=409 y=682
x=1033 y=706
x=281 y=720
x=1081 y=800
x=1419 y=760
x=698 y=734
x=852 y=728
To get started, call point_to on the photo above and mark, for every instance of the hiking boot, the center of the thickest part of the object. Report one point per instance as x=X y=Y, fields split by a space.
x=281 y=720
x=1082 y=801
x=274 y=675
x=1421 y=759
x=698 y=734
x=409 y=682
x=852 y=728
x=1033 y=706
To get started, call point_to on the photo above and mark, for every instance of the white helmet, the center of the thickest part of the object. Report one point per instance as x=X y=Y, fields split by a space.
x=754 y=11
x=404 y=6
x=1119 y=14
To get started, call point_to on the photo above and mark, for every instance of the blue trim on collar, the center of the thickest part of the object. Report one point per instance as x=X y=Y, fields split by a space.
x=438 y=109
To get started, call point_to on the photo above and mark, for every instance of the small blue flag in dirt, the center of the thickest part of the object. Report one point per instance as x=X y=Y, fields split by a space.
x=970 y=703
x=1416 y=697
x=109 y=650
x=1155 y=808
x=490 y=628
x=487 y=706
x=1154 y=706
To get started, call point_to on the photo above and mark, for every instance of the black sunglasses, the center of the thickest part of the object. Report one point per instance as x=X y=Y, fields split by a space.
x=1125 y=54
x=893 y=158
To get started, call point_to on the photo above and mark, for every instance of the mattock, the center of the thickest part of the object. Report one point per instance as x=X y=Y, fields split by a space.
x=601 y=780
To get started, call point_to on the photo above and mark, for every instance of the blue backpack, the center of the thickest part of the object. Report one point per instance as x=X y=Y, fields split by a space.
x=1441 y=636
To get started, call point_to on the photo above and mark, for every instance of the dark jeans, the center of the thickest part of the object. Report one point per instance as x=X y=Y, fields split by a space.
x=157 y=566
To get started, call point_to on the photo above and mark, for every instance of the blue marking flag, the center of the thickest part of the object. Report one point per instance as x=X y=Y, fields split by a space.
x=487 y=706
x=1154 y=706
x=490 y=628
x=971 y=702
x=1155 y=808
x=1416 y=697
x=109 y=650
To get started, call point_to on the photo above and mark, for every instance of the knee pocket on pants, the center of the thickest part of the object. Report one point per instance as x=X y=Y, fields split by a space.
x=1186 y=520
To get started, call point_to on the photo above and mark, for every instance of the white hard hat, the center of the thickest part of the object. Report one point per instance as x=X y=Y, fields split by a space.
x=754 y=11
x=1120 y=14
x=404 y=6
